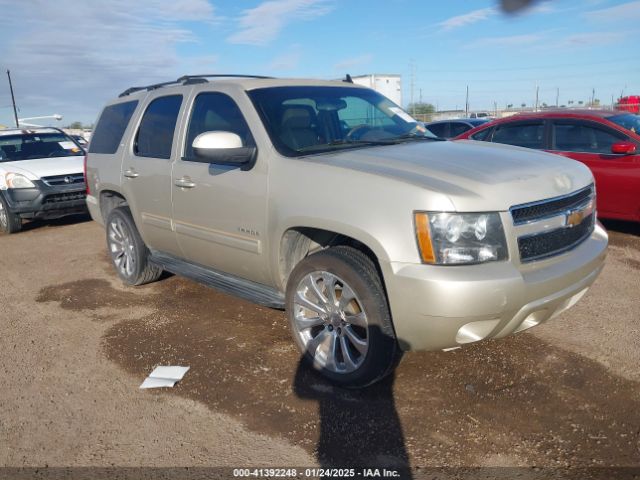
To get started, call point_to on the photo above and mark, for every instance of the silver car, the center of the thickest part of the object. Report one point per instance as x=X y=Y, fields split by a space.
x=329 y=201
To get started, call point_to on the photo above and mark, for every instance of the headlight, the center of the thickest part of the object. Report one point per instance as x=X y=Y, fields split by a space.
x=460 y=238
x=16 y=180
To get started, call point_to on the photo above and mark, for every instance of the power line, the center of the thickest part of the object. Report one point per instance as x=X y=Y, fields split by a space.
x=510 y=69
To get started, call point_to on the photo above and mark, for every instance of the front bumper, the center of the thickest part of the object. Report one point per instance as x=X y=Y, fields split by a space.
x=45 y=201
x=440 y=307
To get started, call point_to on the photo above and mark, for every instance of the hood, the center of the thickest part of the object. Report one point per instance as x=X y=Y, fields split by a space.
x=475 y=176
x=45 y=167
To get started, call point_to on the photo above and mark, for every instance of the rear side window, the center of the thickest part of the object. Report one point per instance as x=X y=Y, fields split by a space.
x=458 y=128
x=579 y=137
x=155 y=134
x=529 y=135
x=438 y=129
x=111 y=126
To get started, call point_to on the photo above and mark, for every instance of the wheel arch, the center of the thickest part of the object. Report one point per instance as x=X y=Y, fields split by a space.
x=299 y=241
x=110 y=199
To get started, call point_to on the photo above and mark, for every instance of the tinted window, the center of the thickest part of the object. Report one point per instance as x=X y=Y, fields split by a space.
x=216 y=112
x=438 y=129
x=157 y=127
x=530 y=135
x=581 y=137
x=482 y=135
x=457 y=128
x=628 y=121
x=111 y=126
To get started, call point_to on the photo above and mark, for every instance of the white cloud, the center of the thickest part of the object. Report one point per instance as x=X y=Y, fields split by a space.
x=510 y=41
x=593 y=39
x=467 y=18
x=287 y=61
x=262 y=24
x=72 y=55
x=350 y=63
x=620 y=13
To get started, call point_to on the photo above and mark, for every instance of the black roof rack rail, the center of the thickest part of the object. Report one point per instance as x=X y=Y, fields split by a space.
x=187 y=80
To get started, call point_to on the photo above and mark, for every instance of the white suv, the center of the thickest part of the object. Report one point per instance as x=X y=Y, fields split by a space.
x=41 y=176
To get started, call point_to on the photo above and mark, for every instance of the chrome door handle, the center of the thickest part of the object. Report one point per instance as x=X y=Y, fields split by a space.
x=184 y=182
x=131 y=173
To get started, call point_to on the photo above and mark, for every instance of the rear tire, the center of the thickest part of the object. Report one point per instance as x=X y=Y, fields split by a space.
x=9 y=221
x=340 y=319
x=129 y=254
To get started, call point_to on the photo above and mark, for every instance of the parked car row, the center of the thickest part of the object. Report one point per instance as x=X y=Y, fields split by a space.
x=606 y=141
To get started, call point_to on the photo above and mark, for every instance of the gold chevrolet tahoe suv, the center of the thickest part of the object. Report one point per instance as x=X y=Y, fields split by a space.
x=327 y=200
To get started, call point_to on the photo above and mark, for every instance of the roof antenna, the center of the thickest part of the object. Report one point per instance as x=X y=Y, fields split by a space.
x=348 y=79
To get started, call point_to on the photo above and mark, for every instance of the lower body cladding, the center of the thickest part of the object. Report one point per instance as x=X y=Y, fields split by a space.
x=441 y=307
x=45 y=201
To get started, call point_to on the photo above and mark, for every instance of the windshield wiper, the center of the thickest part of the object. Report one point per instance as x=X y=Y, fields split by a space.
x=411 y=136
x=361 y=142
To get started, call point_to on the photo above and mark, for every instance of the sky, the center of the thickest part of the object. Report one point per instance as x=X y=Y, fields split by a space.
x=69 y=57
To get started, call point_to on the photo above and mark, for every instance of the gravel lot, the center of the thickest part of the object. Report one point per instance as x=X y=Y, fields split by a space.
x=76 y=344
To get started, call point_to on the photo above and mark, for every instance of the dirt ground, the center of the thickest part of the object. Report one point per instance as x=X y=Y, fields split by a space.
x=75 y=344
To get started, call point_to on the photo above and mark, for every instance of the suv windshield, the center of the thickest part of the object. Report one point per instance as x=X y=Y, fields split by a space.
x=628 y=121
x=28 y=146
x=305 y=120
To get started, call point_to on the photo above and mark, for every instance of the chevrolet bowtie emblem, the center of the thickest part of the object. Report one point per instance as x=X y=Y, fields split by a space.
x=574 y=218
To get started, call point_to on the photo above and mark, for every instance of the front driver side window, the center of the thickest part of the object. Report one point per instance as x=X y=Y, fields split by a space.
x=214 y=111
x=529 y=135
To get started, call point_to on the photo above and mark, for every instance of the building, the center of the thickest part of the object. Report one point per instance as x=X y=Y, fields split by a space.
x=389 y=85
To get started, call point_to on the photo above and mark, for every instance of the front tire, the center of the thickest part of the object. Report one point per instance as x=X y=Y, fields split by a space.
x=340 y=317
x=9 y=221
x=129 y=254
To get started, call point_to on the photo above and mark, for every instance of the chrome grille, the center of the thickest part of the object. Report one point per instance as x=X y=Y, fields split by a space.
x=554 y=226
x=532 y=212
x=69 y=179
x=555 y=242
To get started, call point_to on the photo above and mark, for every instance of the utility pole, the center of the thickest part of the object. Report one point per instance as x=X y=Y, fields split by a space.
x=536 y=103
x=557 y=97
x=466 y=104
x=413 y=105
x=593 y=96
x=13 y=100
x=495 y=108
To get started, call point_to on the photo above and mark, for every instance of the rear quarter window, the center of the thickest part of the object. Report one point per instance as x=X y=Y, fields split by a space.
x=111 y=126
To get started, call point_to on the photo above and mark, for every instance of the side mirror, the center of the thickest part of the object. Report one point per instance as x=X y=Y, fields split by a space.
x=223 y=148
x=623 y=148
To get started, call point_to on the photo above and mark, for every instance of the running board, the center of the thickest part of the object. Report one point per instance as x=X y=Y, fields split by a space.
x=252 y=291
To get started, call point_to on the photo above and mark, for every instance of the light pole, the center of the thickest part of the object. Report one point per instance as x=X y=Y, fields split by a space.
x=21 y=121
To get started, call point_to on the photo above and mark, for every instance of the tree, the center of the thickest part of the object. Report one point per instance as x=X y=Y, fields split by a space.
x=75 y=126
x=419 y=108
x=580 y=102
x=510 y=106
x=523 y=105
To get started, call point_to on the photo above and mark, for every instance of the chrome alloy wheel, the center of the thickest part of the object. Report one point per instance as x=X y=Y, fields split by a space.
x=4 y=221
x=330 y=322
x=122 y=247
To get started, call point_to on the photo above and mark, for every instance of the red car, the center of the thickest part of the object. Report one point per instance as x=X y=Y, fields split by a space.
x=607 y=141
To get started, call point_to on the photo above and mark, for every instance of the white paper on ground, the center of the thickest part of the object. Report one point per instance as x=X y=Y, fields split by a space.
x=164 y=377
